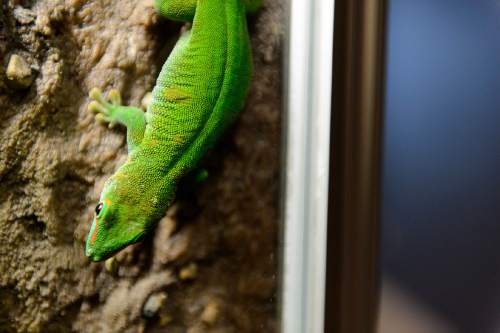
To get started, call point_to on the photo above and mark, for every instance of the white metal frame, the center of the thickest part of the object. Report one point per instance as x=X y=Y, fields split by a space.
x=307 y=125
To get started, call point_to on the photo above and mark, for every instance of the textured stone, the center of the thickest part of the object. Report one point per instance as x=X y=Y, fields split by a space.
x=24 y=15
x=188 y=272
x=210 y=313
x=19 y=72
x=111 y=265
x=153 y=304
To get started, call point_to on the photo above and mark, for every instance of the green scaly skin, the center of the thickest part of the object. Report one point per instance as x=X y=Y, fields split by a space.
x=199 y=92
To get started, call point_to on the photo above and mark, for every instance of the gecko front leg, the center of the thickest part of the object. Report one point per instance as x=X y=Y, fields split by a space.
x=113 y=112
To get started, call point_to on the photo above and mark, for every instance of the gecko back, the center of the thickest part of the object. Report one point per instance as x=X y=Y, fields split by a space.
x=200 y=90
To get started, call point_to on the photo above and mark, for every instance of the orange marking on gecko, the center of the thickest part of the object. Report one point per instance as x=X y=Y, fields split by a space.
x=94 y=233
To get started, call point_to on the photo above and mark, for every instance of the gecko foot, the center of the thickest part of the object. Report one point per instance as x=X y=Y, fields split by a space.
x=104 y=110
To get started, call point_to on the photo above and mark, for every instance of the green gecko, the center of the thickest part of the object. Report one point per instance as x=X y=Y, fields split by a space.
x=199 y=92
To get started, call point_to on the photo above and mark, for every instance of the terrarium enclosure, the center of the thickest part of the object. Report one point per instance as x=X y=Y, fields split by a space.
x=212 y=264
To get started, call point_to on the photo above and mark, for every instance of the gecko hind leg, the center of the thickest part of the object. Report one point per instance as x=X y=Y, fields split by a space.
x=113 y=112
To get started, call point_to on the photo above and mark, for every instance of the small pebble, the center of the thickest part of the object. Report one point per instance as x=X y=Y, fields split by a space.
x=42 y=25
x=146 y=100
x=19 y=72
x=165 y=320
x=153 y=304
x=85 y=307
x=111 y=265
x=210 y=313
x=189 y=272
x=23 y=15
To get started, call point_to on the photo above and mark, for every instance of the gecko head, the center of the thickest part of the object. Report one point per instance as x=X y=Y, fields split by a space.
x=114 y=227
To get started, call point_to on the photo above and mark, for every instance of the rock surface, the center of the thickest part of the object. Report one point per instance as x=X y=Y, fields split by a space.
x=54 y=159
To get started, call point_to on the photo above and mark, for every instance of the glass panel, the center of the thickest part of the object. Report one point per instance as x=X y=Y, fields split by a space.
x=211 y=264
x=441 y=189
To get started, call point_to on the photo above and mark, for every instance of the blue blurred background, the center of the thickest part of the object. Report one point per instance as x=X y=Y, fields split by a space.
x=441 y=172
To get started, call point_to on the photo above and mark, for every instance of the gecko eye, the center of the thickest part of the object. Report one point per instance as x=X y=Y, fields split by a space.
x=98 y=208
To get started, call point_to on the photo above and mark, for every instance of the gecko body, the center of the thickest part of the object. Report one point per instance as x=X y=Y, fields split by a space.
x=199 y=92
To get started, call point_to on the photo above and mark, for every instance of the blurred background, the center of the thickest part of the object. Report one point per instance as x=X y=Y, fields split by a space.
x=441 y=190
